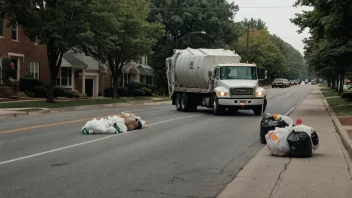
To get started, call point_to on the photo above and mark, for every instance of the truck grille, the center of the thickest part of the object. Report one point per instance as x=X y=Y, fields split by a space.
x=241 y=91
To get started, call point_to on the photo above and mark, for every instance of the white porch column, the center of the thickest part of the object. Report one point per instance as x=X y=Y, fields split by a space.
x=123 y=79
x=152 y=80
x=73 y=79
x=84 y=81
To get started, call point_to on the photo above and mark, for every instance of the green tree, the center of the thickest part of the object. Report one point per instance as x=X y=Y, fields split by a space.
x=263 y=52
x=60 y=25
x=120 y=32
x=329 y=24
x=181 y=17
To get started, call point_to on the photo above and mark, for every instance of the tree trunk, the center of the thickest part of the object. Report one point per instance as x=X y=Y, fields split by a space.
x=117 y=82
x=342 y=80
x=329 y=81
x=53 y=77
x=333 y=82
x=337 y=82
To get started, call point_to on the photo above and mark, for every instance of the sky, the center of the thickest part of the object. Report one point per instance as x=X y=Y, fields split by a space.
x=277 y=19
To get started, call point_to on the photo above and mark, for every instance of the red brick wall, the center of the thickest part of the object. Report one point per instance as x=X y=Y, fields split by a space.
x=27 y=47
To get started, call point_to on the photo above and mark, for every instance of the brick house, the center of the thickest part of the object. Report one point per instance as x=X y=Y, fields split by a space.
x=78 y=72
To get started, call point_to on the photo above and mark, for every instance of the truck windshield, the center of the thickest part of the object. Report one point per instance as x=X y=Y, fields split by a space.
x=238 y=72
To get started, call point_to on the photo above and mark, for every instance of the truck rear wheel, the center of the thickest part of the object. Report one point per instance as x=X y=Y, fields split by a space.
x=189 y=103
x=258 y=110
x=178 y=102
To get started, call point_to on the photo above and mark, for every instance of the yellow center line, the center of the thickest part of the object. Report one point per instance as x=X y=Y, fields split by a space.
x=49 y=125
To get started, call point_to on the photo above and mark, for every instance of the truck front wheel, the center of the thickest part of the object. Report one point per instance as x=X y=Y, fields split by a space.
x=258 y=110
x=217 y=109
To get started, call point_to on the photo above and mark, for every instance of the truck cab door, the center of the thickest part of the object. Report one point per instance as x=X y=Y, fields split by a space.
x=216 y=76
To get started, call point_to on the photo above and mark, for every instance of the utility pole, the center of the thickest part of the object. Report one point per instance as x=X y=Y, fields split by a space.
x=247 y=40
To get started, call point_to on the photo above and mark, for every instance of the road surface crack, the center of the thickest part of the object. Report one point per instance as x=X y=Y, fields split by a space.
x=279 y=179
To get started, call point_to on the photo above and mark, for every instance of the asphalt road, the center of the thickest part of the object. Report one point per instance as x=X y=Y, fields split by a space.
x=179 y=155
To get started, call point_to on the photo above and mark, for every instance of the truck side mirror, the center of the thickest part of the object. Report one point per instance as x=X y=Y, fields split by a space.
x=211 y=74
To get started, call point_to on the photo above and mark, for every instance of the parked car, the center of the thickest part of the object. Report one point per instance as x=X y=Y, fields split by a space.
x=313 y=82
x=280 y=82
x=286 y=83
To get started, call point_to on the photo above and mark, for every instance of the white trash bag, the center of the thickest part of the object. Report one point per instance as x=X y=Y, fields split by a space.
x=276 y=141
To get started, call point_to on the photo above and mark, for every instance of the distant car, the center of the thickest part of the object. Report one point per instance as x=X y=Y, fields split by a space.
x=313 y=82
x=286 y=83
x=278 y=82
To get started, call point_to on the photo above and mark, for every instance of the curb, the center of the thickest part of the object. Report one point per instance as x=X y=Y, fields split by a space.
x=346 y=140
x=86 y=107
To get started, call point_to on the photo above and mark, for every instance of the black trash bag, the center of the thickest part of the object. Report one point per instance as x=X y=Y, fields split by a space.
x=315 y=140
x=300 y=145
x=267 y=124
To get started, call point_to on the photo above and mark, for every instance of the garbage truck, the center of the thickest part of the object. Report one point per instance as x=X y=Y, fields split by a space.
x=215 y=79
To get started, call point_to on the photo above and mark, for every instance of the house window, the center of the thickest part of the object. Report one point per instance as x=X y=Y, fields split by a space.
x=34 y=69
x=1 y=27
x=15 y=32
x=65 y=77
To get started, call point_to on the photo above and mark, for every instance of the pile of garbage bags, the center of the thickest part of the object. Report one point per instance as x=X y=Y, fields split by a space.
x=121 y=123
x=294 y=140
x=270 y=122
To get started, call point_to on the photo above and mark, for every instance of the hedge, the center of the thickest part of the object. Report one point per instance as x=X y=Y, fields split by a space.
x=121 y=91
x=40 y=91
x=28 y=84
x=131 y=86
x=147 y=92
x=138 y=92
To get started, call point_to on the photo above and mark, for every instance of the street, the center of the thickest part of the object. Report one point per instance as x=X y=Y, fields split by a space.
x=179 y=155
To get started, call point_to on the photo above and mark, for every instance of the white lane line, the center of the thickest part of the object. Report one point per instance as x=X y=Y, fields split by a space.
x=87 y=142
x=292 y=109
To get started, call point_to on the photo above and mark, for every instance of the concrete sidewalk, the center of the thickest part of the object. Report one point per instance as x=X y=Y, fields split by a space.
x=326 y=174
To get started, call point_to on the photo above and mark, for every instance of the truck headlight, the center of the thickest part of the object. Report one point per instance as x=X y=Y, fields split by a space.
x=221 y=93
x=259 y=93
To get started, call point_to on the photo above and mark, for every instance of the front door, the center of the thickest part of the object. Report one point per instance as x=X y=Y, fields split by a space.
x=15 y=73
x=89 y=87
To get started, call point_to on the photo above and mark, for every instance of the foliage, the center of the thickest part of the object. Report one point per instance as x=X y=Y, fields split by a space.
x=138 y=92
x=59 y=92
x=71 y=94
x=329 y=47
x=263 y=52
x=40 y=91
x=121 y=91
x=60 y=25
x=147 y=92
x=27 y=84
x=131 y=86
x=181 y=17
x=120 y=33
x=30 y=94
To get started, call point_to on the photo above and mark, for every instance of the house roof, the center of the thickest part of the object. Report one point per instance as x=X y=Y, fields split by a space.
x=144 y=71
x=72 y=60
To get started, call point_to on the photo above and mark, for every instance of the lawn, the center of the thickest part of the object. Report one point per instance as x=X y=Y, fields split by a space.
x=325 y=89
x=330 y=93
x=337 y=101
x=323 y=85
x=72 y=103
x=343 y=110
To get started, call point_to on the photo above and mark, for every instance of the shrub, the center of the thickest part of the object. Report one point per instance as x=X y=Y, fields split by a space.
x=30 y=94
x=28 y=84
x=59 y=92
x=347 y=96
x=71 y=94
x=138 y=92
x=40 y=91
x=162 y=92
x=108 y=92
x=147 y=92
x=131 y=86
x=121 y=91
